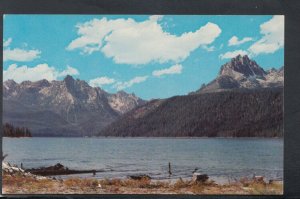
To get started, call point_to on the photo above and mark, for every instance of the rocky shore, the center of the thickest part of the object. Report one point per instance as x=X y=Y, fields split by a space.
x=13 y=170
x=18 y=181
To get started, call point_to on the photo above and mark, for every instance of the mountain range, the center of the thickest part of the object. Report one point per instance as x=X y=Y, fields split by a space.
x=243 y=100
x=63 y=108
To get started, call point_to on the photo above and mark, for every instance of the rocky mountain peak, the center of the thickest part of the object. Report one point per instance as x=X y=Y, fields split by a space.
x=69 y=79
x=122 y=93
x=242 y=72
x=9 y=83
x=272 y=70
x=123 y=102
x=240 y=59
x=243 y=65
x=41 y=83
x=26 y=83
x=70 y=82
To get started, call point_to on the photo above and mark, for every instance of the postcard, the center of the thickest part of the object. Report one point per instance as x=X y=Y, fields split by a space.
x=143 y=104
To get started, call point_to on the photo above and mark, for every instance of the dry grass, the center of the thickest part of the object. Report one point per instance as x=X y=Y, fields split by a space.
x=260 y=187
x=144 y=183
x=29 y=184
x=180 y=183
x=19 y=184
x=187 y=186
x=76 y=182
x=266 y=189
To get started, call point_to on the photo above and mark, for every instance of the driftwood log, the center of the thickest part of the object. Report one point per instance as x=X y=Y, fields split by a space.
x=58 y=169
x=139 y=177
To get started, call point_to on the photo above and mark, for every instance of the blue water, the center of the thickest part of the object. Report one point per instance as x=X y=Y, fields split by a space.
x=220 y=158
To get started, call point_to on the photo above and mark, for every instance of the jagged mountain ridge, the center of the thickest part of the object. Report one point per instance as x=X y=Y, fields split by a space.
x=63 y=108
x=241 y=72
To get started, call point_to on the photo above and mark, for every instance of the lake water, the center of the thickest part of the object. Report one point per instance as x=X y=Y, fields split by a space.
x=221 y=158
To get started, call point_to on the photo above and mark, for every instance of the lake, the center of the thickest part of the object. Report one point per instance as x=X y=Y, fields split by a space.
x=222 y=159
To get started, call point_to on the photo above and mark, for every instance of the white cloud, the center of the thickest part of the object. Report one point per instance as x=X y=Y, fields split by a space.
x=7 y=42
x=68 y=71
x=209 y=49
x=22 y=73
x=38 y=72
x=271 y=41
x=273 y=36
x=135 y=80
x=20 y=55
x=100 y=81
x=234 y=41
x=127 y=41
x=175 y=69
x=232 y=54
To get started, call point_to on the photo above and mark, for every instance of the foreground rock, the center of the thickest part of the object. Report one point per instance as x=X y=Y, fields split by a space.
x=14 y=171
x=198 y=177
x=259 y=179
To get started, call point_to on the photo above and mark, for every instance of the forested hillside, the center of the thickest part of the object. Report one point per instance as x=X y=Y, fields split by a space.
x=235 y=113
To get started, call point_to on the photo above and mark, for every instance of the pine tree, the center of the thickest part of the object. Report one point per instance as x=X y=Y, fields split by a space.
x=10 y=131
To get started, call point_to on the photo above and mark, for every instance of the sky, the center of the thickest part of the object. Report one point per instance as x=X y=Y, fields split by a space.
x=153 y=56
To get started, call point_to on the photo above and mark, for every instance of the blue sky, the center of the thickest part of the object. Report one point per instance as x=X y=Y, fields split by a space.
x=151 y=56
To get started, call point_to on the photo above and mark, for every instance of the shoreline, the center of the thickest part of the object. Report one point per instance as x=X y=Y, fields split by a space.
x=18 y=181
x=32 y=185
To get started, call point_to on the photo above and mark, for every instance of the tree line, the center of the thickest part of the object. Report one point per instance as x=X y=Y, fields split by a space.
x=10 y=131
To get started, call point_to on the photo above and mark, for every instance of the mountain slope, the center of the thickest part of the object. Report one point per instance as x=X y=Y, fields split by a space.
x=238 y=113
x=66 y=108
